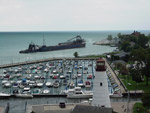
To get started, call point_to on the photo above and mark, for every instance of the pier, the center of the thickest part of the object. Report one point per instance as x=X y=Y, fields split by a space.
x=41 y=60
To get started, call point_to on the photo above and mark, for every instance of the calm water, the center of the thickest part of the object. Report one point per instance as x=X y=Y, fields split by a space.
x=12 y=42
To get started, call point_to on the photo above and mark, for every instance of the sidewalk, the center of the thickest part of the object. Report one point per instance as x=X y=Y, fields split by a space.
x=115 y=78
x=121 y=107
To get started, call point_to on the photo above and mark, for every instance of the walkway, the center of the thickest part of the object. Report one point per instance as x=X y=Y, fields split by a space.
x=121 y=107
x=100 y=90
x=115 y=78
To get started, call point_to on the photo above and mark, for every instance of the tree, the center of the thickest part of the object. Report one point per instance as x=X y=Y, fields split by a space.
x=136 y=75
x=76 y=54
x=109 y=37
x=119 y=35
x=122 y=68
x=142 y=58
x=125 y=46
x=143 y=40
x=146 y=99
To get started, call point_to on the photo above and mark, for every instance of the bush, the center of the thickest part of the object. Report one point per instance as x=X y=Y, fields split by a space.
x=146 y=99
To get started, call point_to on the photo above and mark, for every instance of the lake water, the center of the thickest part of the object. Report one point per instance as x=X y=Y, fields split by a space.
x=12 y=42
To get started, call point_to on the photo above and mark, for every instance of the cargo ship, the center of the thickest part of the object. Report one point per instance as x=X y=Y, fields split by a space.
x=76 y=42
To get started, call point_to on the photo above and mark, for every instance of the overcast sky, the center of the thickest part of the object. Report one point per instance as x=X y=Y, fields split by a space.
x=64 y=15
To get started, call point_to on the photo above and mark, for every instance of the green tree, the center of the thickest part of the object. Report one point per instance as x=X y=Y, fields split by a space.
x=146 y=99
x=125 y=46
x=119 y=35
x=142 y=58
x=109 y=37
x=143 y=40
x=75 y=54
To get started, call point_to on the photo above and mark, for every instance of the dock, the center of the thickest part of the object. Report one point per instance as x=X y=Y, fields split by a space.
x=41 y=60
x=101 y=93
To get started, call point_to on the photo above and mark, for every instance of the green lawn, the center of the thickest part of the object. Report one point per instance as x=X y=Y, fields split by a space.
x=92 y=56
x=139 y=86
x=139 y=108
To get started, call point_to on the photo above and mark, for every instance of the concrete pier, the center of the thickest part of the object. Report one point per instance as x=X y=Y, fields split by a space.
x=100 y=90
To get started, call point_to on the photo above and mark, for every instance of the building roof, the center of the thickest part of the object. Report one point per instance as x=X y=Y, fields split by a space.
x=119 y=61
x=121 y=54
x=91 y=109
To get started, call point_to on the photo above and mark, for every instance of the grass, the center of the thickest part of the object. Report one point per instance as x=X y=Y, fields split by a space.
x=139 y=86
x=92 y=56
x=139 y=108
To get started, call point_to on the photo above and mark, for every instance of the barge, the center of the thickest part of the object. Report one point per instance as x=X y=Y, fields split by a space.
x=76 y=42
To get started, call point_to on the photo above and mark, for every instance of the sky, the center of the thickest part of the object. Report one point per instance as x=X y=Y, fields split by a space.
x=74 y=15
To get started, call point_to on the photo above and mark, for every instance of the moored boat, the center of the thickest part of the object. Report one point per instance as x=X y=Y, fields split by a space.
x=4 y=94
x=78 y=93
x=26 y=95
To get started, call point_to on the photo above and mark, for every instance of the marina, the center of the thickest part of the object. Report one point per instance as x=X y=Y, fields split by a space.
x=48 y=78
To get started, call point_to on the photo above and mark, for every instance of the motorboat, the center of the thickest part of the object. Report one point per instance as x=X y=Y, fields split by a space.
x=36 y=91
x=78 y=93
x=72 y=85
x=4 y=94
x=4 y=82
x=48 y=84
x=65 y=82
x=80 y=83
x=26 y=95
x=40 y=84
x=89 y=77
x=7 y=84
x=46 y=70
x=56 y=84
x=87 y=84
x=62 y=77
x=79 y=75
x=46 y=91
x=55 y=77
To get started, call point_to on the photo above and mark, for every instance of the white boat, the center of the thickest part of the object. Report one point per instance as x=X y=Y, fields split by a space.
x=7 y=85
x=62 y=77
x=72 y=85
x=46 y=91
x=4 y=94
x=79 y=75
x=78 y=93
x=48 y=84
x=56 y=84
x=40 y=84
x=46 y=70
x=4 y=82
x=24 y=95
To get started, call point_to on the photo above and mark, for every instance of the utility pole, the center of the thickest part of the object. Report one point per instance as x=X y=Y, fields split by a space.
x=128 y=101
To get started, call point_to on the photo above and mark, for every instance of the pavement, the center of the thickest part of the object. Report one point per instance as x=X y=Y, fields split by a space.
x=49 y=108
x=121 y=107
x=2 y=109
x=115 y=78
